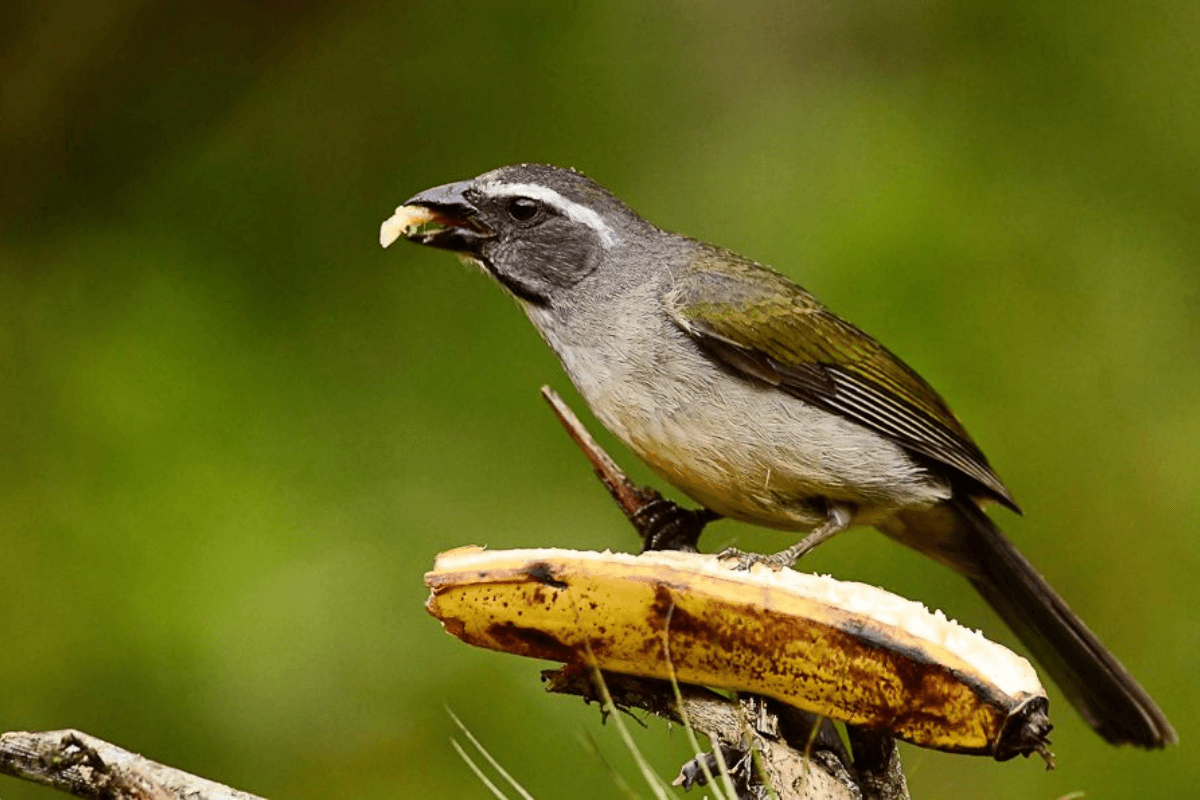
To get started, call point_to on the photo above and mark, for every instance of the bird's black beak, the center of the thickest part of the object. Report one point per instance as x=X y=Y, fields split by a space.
x=456 y=219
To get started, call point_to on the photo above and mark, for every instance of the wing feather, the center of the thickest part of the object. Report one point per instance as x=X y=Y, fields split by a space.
x=761 y=324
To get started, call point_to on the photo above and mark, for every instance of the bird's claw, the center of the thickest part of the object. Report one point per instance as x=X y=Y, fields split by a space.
x=741 y=561
x=665 y=525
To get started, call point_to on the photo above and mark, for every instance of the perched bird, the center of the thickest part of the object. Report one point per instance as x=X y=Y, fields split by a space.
x=738 y=387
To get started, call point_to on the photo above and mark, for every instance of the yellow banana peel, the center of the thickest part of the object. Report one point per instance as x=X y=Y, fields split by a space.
x=848 y=651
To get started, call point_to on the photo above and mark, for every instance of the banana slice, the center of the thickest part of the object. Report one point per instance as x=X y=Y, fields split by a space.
x=404 y=220
x=849 y=651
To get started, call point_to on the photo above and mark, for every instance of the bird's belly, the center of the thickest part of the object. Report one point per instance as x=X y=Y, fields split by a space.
x=751 y=452
x=741 y=448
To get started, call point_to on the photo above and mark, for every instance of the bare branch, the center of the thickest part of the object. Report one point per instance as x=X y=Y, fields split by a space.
x=84 y=766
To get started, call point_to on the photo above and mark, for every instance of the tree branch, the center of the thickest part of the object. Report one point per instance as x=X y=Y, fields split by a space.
x=84 y=766
x=763 y=743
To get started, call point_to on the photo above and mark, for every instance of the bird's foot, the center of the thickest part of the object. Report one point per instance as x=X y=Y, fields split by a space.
x=837 y=521
x=742 y=561
x=665 y=525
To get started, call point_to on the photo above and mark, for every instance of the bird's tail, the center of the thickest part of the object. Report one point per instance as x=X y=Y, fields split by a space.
x=960 y=535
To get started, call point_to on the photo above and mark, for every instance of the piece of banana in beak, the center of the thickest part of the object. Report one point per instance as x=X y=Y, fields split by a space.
x=404 y=221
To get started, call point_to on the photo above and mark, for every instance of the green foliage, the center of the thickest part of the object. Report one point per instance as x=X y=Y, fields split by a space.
x=234 y=432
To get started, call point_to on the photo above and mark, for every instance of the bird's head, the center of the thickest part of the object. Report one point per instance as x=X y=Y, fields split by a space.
x=537 y=229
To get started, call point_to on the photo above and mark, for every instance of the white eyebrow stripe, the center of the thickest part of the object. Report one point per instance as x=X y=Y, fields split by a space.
x=573 y=210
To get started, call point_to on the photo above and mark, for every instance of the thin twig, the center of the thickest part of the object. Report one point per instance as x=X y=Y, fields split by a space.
x=629 y=496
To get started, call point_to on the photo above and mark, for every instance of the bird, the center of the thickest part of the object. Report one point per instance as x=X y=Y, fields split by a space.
x=737 y=386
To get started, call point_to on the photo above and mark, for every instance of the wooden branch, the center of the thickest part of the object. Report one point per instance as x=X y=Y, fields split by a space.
x=84 y=766
x=764 y=743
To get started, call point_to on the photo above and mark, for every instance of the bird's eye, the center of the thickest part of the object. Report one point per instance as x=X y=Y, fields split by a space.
x=522 y=209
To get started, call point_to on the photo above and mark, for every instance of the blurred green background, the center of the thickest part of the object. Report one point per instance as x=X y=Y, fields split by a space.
x=234 y=432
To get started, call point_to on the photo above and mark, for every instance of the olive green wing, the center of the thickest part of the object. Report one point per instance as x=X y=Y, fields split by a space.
x=763 y=325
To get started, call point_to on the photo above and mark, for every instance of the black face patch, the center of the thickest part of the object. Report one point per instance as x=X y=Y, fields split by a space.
x=537 y=229
x=537 y=253
x=546 y=259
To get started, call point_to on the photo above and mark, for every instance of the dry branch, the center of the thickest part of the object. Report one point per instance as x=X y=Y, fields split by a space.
x=764 y=743
x=84 y=766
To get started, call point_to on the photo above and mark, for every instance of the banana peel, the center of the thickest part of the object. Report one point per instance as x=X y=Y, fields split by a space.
x=848 y=651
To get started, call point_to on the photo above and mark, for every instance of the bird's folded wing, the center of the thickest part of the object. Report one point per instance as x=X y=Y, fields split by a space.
x=763 y=325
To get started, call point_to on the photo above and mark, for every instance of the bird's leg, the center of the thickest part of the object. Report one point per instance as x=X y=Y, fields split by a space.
x=837 y=519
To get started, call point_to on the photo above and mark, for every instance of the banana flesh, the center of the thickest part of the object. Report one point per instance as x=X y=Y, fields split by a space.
x=848 y=651
x=406 y=219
